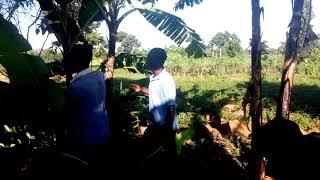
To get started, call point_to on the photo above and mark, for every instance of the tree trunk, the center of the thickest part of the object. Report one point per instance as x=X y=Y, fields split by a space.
x=295 y=40
x=257 y=164
x=110 y=62
x=66 y=64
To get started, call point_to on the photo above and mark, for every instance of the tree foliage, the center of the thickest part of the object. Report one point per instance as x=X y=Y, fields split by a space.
x=228 y=42
x=10 y=8
x=180 y=4
x=99 y=43
x=31 y=97
x=176 y=29
x=11 y=40
x=128 y=42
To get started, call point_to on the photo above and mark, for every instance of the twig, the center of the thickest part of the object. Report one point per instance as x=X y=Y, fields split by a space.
x=43 y=44
x=14 y=8
x=18 y=23
x=37 y=17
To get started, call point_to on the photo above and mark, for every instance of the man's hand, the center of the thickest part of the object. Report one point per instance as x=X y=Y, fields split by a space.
x=135 y=87
x=138 y=88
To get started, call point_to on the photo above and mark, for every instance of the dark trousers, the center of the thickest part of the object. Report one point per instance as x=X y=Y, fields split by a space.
x=161 y=149
x=96 y=157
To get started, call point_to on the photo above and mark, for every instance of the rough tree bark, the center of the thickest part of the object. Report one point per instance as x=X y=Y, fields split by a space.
x=257 y=164
x=299 y=27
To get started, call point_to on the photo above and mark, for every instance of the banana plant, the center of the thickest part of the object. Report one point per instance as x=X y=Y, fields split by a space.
x=67 y=20
x=29 y=97
x=172 y=26
x=298 y=40
x=180 y=4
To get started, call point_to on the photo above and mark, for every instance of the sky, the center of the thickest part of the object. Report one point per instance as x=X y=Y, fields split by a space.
x=207 y=19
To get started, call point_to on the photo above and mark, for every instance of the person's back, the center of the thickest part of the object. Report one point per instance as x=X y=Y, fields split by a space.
x=88 y=118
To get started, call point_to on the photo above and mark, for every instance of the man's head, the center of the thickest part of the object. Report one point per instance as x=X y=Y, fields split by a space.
x=79 y=57
x=156 y=58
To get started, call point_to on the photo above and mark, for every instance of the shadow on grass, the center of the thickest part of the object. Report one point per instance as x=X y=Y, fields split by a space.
x=305 y=98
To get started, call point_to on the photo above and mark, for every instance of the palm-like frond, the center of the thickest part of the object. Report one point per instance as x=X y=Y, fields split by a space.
x=90 y=11
x=176 y=29
x=182 y=3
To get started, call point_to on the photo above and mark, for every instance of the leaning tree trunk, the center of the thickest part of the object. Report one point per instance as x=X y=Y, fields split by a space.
x=257 y=164
x=298 y=28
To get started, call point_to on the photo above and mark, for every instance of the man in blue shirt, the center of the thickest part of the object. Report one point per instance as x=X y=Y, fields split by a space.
x=88 y=124
x=162 y=100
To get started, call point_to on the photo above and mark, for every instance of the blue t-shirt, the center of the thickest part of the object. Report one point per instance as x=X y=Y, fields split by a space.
x=162 y=94
x=85 y=105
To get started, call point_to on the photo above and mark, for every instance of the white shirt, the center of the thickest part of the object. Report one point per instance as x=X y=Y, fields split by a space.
x=162 y=94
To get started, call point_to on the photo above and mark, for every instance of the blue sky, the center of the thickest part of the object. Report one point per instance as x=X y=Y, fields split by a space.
x=209 y=18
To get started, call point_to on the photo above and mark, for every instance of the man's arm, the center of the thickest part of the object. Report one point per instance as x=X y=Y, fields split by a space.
x=138 y=88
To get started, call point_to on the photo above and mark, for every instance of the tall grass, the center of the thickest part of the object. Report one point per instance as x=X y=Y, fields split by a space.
x=178 y=63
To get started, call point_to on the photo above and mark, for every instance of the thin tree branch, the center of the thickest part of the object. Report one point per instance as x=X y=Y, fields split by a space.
x=37 y=18
x=106 y=17
x=86 y=24
x=43 y=44
x=18 y=23
x=14 y=8
x=116 y=8
x=120 y=5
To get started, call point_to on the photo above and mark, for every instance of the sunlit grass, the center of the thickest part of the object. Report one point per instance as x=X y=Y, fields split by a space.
x=196 y=95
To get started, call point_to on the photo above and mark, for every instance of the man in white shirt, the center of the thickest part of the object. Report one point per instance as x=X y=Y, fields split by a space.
x=162 y=100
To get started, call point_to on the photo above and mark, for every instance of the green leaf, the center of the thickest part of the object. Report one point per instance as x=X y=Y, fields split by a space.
x=182 y=137
x=12 y=145
x=56 y=96
x=25 y=70
x=91 y=11
x=7 y=129
x=131 y=62
x=131 y=69
x=29 y=136
x=11 y=41
x=37 y=31
x=195 y=49
x=176 y=29
x=181 y=3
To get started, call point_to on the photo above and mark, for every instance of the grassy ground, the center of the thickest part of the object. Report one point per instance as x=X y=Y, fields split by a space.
x=196 y=95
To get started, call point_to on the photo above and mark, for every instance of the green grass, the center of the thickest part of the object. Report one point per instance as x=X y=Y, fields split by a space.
x=196 y=95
